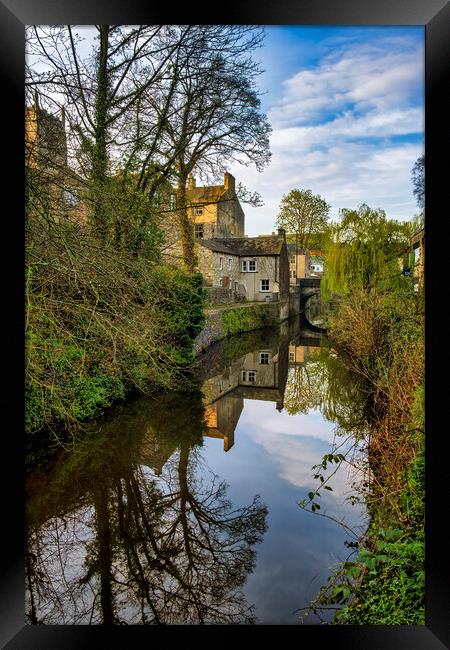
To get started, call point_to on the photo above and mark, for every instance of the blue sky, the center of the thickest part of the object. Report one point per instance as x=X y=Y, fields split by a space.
x=346 y=105
x=347 y=109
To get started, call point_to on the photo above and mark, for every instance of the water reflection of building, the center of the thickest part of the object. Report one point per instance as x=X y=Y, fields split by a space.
x=300 y=346
x=222 y=417
x=259 y=374
x=297 y=354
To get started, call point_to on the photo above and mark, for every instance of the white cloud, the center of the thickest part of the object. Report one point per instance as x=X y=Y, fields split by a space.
x=294 y=445
x=349 y=129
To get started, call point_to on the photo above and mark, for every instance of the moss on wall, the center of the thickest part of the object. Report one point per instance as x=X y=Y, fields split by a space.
x=250 y=318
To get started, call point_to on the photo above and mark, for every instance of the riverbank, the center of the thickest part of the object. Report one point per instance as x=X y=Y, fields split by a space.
x=100 y=325
x=103 y=324
x=381 y=337
x=222 y=321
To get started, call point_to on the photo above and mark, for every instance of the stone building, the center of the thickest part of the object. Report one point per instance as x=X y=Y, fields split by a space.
x=254 y=268
x=299 y=263
x=215 y=211
x=46 y=160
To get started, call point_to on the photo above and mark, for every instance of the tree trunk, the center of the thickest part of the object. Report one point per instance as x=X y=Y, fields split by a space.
x=186 y=226
x=104 y=540
x=99 y=158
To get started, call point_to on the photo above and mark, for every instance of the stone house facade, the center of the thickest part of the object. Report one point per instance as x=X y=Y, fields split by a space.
x=299 y=263
x=214 y=210
x=254 y=268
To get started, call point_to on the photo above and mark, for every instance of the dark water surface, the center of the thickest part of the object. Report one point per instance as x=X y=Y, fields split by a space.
x=184 y=508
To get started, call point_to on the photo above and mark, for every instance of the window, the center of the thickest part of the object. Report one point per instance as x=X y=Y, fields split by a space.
x=292 y=259
x=173 y=201
x=198 y=230
x=220 y=282
x=230 y=263
x=244 y=375
x=198 y=211
x=251 y=375
x=248 y=375
x=291 y=356
x=220 y=263
x=248 y=265
x=264 y=285
x=264 y=358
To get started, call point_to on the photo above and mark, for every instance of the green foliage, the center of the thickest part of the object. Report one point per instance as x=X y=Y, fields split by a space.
x=305 y=215
x=363 y=251
x=100 y=324
x=378 y=328
x=392 y=592
x=246 y=319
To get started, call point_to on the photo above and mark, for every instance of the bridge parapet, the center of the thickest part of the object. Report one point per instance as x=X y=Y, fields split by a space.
x=309 y=283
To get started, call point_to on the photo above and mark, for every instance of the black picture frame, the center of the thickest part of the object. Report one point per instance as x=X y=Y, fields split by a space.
x=434 y=15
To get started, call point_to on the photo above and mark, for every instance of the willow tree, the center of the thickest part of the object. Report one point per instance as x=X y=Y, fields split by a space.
x=305 y=215
x=363 y=251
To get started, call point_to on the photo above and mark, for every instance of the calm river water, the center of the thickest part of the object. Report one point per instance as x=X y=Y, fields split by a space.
x=184 y=508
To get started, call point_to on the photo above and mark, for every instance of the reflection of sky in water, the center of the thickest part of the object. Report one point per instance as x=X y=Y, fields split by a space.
x=272 y=456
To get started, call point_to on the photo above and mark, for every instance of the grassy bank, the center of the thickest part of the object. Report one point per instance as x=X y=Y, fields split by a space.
x=380 y=334
x=100 y=323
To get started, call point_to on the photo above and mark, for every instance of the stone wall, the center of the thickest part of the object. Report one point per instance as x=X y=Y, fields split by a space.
x=221 y=323
x=294 y=301
x=219 y=295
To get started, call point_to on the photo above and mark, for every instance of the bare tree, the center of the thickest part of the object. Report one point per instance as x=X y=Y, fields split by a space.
x=418 y=180
x=216 y=117
x=114 y=542
x=102 y=94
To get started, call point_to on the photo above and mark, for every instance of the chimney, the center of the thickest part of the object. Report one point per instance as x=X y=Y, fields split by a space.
x=191 y=182
x=229 y=182
x=282 y=234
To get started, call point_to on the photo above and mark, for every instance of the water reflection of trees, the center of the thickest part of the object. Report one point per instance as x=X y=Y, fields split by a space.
x=131 y=531
x=323 y=382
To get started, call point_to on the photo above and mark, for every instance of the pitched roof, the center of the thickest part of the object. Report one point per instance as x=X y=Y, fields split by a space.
x=245 y=246
x=292 y=248
x=205 y=194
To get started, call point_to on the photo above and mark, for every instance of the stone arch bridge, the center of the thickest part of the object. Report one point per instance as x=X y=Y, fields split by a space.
x=308 y=287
